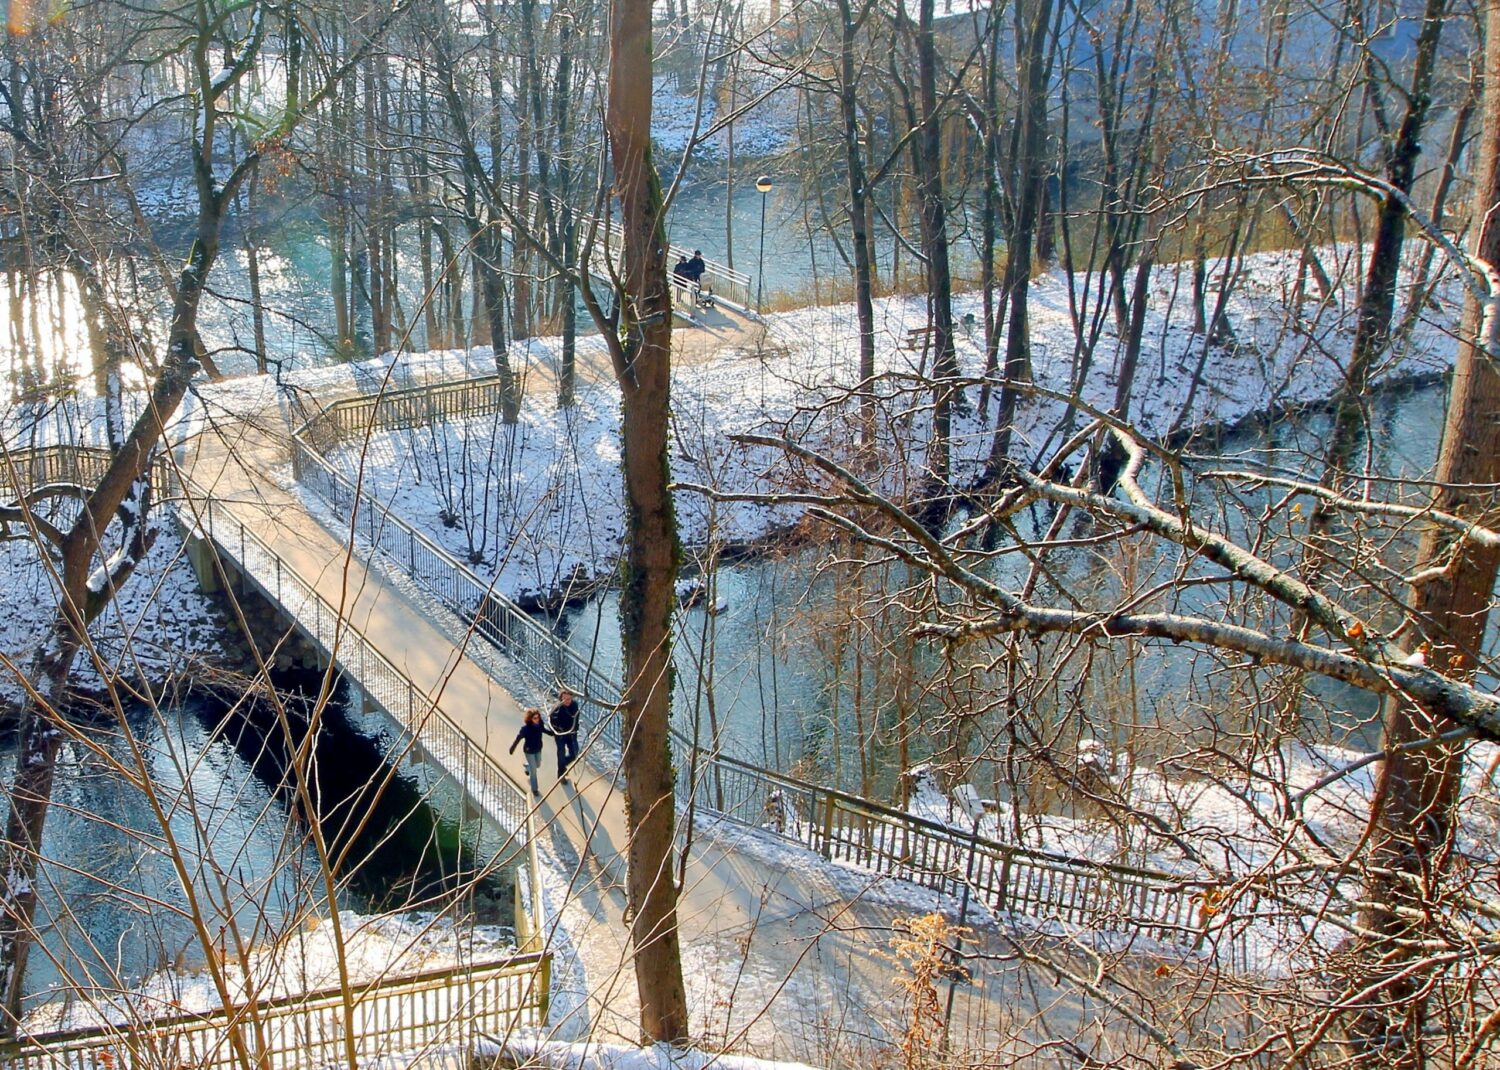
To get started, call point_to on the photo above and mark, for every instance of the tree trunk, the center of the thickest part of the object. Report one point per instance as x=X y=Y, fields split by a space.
x=40 y=735
x=1034 y=68
x=928 y=155
x=1416 y=789
x=643 y=367
x=1378 y=297
x=864 y=301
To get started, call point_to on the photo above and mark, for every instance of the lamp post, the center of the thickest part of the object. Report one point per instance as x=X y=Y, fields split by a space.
x=764 y=184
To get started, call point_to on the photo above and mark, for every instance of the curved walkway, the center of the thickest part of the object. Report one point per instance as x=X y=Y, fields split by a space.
x=778 y=947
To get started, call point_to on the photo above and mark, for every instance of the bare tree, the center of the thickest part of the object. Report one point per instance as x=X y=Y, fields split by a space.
x=88 y=575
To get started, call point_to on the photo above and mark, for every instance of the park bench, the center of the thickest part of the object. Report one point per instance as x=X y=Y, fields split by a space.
x=917 y=338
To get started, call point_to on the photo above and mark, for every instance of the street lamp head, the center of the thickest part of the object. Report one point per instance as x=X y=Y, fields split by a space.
x=764 y=183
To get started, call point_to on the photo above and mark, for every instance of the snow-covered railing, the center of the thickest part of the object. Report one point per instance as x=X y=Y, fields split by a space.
x=491 y=999
x=482 y=780
x=1079 y=893
x=446 y=1011
x=1007 y=878
x=535 y=648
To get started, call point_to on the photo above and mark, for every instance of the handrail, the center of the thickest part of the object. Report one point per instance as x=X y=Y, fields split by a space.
x=890 y=813
x=422 y=979
x=499 y=795
x=1005 y=877
x=453 y=1007
x=1163 y=905
x=729 y=282
x=363 y=660
x=485 y=1010
x=548 y=658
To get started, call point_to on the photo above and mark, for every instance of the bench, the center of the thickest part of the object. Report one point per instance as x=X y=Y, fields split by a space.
x=693 y=295
x=918 y=338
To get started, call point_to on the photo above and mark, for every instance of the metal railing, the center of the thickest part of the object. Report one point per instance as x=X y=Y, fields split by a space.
x=723 y=280
x=1006 y=878
x=535 y=648
x=446 y=1009
x=402 y=1014
x=487 y=785
x=840 y=826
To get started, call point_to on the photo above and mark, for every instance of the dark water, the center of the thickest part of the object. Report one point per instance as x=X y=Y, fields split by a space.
x=210 y=786
x=784 y=687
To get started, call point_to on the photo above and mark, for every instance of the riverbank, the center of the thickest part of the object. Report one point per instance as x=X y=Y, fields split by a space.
x=537 y=508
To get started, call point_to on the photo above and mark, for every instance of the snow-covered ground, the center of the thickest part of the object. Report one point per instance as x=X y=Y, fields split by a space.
x=553 y=505
x=306 y=958
x=539 y=505
x=160 y=625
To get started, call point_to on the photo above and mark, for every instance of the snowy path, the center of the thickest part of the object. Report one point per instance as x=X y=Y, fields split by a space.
x=776 y=944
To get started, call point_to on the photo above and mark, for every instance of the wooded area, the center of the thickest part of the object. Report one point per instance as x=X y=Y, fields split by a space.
x=474 y=176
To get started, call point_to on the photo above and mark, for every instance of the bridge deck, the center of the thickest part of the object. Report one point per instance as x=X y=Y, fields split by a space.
x=758 y=923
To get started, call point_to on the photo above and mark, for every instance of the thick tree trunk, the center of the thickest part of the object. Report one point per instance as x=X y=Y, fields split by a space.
x=934 y=216
x=562 y=99
x=1034 y=67
x=1416 y=789
x=488 y=247
x=643 y=368
x=864 y=299
x=1378 y=298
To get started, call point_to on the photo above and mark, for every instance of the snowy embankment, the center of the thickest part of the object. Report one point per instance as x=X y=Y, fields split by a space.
x=553 y=1055
x=306 y=958
x=538 y=506
x=160 y=626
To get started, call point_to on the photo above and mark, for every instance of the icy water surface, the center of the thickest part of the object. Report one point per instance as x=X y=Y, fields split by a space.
x=188 y=824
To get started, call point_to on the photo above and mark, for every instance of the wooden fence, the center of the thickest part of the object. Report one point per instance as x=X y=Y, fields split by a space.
x=446 y=1009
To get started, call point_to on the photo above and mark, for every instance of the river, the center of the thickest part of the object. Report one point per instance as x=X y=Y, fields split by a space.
x=801 y=261
x=788 y=686
x=209 y=781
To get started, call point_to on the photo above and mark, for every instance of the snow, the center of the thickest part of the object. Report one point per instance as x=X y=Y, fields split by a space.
x=556 y=516
x=541 y=1052
x=538 y=507
x=159 y=624
x=306 y=958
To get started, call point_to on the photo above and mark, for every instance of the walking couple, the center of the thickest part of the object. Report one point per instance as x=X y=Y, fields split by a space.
x=562 y=725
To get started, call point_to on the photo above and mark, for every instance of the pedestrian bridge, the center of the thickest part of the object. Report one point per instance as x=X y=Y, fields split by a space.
x=417 y=635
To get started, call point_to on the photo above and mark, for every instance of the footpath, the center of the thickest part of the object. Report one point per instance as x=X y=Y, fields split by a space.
x=783 y=953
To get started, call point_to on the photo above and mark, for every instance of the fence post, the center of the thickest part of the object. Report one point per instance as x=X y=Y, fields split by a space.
x=827 y=846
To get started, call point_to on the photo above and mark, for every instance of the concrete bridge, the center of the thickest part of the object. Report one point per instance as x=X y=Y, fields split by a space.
x=452 y=663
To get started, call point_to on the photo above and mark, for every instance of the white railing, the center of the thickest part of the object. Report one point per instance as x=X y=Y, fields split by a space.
x=722 y=280
x=437 y=1009
x=487 y=785
x=840 y=826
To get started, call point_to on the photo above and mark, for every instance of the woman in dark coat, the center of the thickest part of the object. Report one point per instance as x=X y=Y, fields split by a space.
x=530 y=736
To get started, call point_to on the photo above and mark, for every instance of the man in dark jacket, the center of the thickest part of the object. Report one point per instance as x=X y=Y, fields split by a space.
x=564 y=720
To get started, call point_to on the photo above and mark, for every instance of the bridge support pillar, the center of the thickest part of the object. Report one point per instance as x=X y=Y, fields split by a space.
x=200 y=555
x=360 y=702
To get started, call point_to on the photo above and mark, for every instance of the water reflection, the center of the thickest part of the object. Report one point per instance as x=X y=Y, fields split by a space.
x=809 y=664
x=187 y=828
